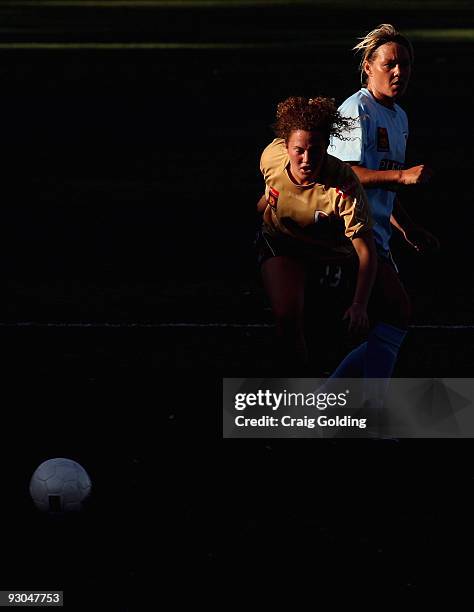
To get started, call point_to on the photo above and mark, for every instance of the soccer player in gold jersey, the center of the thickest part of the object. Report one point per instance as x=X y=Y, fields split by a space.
x=314 y=208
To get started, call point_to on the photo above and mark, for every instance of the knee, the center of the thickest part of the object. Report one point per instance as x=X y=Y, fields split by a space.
x=289 y=320
x=391 y=303
x=399 y=312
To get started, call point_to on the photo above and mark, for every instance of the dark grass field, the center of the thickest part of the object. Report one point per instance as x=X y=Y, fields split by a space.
x=130 y=177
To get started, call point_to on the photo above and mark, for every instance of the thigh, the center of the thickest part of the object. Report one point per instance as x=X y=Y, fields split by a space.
x=390 y=302
x=284 y=281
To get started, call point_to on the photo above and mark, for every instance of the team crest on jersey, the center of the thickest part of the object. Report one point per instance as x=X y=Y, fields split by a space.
x=273 y=198
x=383 y=143
x=347 y=189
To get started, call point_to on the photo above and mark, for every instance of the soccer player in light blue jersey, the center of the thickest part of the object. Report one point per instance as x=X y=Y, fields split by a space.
x=375 y=148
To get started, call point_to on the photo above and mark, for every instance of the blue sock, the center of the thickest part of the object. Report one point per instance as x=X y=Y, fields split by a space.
x=373 y=359
x=353 y=364
x=383 y=344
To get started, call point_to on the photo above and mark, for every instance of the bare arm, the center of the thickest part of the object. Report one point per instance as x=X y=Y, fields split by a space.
x=389 y=179
x=261 y=205
x=357 y=312
x=400 y=218
x=418 y=237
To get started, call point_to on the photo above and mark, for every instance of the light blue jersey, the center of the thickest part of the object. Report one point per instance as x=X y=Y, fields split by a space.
x=378 y=142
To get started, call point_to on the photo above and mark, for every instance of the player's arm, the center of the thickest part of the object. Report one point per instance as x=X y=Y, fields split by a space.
x=390 y=179
x=418 y=237
x=400 y=218
x=261 y=205
x=357 y=312
x=352 y=151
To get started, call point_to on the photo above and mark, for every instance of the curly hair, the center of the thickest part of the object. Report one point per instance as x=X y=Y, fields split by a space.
x=368 y=45
x=310 y=114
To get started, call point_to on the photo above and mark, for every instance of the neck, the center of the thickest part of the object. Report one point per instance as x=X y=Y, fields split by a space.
x=383 y=100
x=297 y=181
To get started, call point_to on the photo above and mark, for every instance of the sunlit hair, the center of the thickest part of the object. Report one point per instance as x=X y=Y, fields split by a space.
x=312 y=115
x=368 y=45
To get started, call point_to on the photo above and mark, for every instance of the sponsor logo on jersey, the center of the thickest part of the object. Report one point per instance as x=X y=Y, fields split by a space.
x=273 y=198
x=390 y=164
x=382 y=139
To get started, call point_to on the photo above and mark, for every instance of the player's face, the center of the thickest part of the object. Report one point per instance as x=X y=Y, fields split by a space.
x=307 y=152
x=388 y=72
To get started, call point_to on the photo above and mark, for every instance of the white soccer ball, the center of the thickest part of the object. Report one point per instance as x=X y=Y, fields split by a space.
x=60 y=485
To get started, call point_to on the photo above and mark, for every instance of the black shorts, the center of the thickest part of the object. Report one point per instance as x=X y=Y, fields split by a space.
x=388 y=302
x=268 y=245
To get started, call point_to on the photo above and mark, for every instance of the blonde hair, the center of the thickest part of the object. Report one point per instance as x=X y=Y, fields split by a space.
x=368 y=45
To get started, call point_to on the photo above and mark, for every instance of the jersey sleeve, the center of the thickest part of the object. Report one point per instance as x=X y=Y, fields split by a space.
x=272 y=163
x=273 y=158
x=351 y=147
x=352 y=206
x=263 y=162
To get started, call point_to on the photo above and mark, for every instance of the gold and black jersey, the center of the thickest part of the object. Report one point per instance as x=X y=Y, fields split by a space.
x=329 y=212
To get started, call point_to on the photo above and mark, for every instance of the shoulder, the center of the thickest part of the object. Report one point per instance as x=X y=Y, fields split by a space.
x=359 y=108
x=274 y=155
x=402 y=114
x=357 y=103
x=334 y=167
x=348 y=197
x=340 y=176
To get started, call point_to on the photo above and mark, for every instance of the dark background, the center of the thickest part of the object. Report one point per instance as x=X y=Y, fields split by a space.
x=131 y=175
x=130 y=178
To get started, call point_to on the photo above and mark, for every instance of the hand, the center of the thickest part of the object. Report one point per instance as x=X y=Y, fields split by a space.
x=422 y=240
x=417 y=175
x=358 y=319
